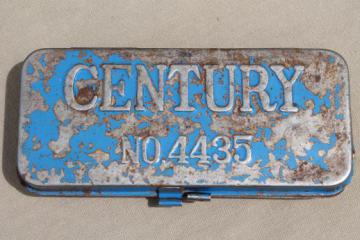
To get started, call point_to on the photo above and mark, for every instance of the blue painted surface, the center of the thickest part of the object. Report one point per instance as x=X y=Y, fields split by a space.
x=44 y=127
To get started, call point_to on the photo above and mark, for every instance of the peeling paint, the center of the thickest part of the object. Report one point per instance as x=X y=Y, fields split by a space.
x=309 y=145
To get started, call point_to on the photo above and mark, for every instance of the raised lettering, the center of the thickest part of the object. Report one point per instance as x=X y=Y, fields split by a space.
x=145 y=144
x=144 y=80
x=209 y=69
x=69 y=88
x=288 y=86
x=182 y=72
x=259 y=88
x=108 y=104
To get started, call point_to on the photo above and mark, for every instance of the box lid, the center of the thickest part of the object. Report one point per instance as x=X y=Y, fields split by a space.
x=256 y=118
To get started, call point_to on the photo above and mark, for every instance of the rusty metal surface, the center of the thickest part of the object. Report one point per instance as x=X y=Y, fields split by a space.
x=245 y=117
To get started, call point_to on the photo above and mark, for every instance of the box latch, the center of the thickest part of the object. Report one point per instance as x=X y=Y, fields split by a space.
x=175 y=196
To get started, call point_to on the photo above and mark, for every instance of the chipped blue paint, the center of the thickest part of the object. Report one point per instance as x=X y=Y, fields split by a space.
x=279 y=166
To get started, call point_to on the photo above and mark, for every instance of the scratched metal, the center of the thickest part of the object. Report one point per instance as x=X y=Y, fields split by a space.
x=185 y=117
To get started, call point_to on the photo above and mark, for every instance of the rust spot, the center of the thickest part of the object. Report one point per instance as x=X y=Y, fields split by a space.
x=317 y=77
x=306 y=170
x=85 y=95
x=89 y=60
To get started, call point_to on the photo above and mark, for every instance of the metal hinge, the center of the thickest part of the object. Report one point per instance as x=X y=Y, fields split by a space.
x=175 y=196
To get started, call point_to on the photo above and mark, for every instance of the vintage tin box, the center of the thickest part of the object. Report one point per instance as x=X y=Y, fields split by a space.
x=185 y=124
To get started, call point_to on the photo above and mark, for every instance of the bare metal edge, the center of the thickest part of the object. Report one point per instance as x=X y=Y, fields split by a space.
x=345 y=180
